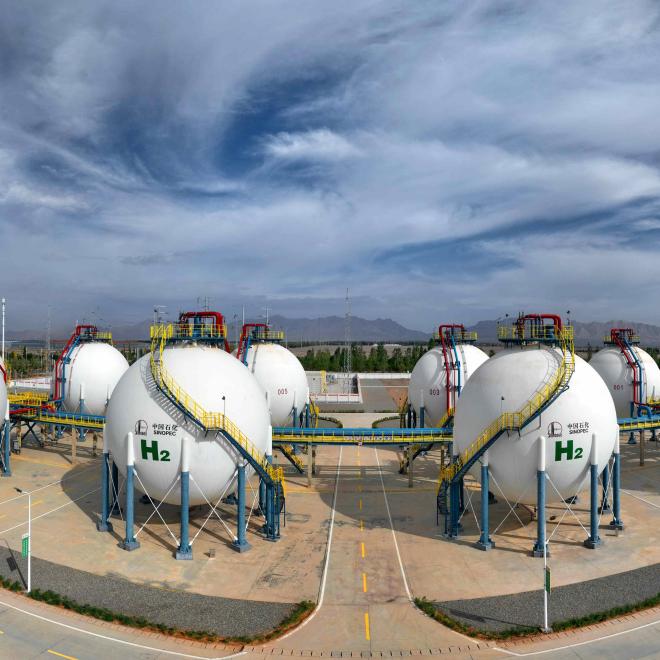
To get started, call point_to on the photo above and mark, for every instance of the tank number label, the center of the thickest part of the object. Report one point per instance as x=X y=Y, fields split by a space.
x=616 y=388
x=434 y=391
x=281 y=391
x=150 y=451
x=566 y=450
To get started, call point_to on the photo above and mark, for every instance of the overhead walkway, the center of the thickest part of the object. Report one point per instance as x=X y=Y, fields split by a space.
x=361 y=436
x=450 y=477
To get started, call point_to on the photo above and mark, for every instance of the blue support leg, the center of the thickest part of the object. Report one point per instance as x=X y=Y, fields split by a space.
x=540 y=544
x=485 y=542
x=6 y=448
x=184 y=551
x=616 y=523
x=130 y=542
x=104 y=525
x=240 y=543
x=422 y=412
x=594 y=539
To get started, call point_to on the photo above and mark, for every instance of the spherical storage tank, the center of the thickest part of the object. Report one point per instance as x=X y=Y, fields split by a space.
x=96 y=367
x=281 y=375
x=505 y=383
x=429 y=379
x=207 y=374
x=613 y=368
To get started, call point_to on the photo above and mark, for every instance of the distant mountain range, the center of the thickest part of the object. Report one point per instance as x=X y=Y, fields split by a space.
x=332 y=329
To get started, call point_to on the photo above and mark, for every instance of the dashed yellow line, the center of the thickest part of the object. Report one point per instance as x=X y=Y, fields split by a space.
x=361 y=525
x=360 y=504
x=61 y=655
x=362 y=550
x=364 y=582
x=367 y=632
x=359 y=488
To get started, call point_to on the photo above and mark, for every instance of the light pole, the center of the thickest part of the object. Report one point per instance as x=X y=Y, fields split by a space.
x=29 y=539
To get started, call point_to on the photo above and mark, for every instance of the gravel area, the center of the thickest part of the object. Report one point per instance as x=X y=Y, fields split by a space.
x=179 y=609
x=499 y=613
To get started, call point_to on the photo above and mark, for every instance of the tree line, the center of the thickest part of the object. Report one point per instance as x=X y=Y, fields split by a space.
x=402 y=359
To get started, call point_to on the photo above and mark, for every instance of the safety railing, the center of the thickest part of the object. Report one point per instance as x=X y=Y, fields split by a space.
x=531 y=332
x=63 y=419
x=28 y=399
x=210 y=421
x=445 y=418
x=188 y=331
x=459 y=335
x=632 y=339
x=512 y=421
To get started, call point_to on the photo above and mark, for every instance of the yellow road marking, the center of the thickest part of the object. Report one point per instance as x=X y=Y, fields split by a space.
x=61 y=655
x=363 y=550
x=367 y=633
x=361 y=525
x=34 y=503
x=360 y=504
x=359 y=488
x=364 y=582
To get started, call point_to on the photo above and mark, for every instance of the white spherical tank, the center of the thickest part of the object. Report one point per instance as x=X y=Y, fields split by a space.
x=281 y=375
x=613 y=368
x=429 y=378
x=96 y=367
x=206 y=374
x=505 y=383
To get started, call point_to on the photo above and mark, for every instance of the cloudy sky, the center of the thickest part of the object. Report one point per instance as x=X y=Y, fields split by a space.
x=446 y=161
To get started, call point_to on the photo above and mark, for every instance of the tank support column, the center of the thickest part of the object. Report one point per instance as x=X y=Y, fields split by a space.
x=485 y=542
x=130 y=542
x=104 y=525
x=605 y=504
x=6 y=445
x=642 y=439
x=240 y=544
x=540 y=545
x=307 y=418
x=594 y=539
x=184 y=551
x=616 y=487
x=422 y=409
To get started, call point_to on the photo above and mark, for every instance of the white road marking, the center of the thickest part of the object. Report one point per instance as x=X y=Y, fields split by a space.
x=570 y=646
x=327 y=557
x=389 y=515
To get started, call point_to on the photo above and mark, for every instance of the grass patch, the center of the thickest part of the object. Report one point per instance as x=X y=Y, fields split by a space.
x=300 y=611
x=429 y=608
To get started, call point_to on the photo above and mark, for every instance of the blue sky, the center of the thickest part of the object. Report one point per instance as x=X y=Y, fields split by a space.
x=446 y=161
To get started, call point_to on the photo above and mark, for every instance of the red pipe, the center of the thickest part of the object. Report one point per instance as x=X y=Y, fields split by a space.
x=446 y=327
x=58 y=364
x=244 y=333
x=615 y=336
